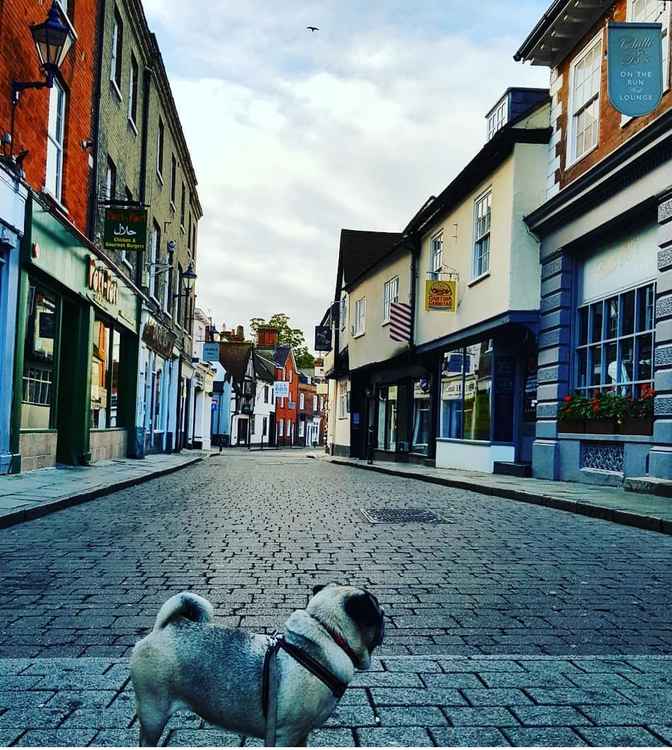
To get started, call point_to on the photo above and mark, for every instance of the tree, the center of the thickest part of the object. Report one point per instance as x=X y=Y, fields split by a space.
x=289 y=336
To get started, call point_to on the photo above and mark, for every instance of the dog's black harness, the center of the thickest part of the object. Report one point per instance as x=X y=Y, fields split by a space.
x=337 y=687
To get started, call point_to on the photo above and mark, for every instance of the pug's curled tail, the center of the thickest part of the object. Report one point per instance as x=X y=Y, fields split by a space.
x=190 y=606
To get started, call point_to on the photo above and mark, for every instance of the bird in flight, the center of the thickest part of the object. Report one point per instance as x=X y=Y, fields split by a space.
x=312 y=28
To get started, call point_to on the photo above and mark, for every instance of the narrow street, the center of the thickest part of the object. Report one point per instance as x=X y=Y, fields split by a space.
x=253 y=532
x=507 y=623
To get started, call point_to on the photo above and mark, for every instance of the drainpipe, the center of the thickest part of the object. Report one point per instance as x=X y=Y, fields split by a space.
x=95 y=135
x=146 y=91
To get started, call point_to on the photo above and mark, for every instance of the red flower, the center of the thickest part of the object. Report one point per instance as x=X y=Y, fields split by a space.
x=567 y=399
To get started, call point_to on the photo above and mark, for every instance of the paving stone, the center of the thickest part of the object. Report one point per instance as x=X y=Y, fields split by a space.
x=620 y=715
x=116 y=738
x=9 y=736
x=664 y=732
x=32 y=718
x=415 y=697
x=411 y=665
x=480 y=665
x=73 y=699
x=91 y=718
x=602 y=681
x=385 y=679
x=620 y=737
x=548 y=737
x=545 y=716
x=354 y=697
x=27 y=699
x=422 y=716
x=394 y=737
x=481 y=717
x=331 y=738
x=574 y=696
x=524 y=680
x=17 y=682
x=455 y=680
x=203 y=738
x=497 y=697
x=56 y=738
x=349 y=716
x=469 y=737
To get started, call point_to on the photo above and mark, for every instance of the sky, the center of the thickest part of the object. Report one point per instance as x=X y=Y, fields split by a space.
x=295 y=134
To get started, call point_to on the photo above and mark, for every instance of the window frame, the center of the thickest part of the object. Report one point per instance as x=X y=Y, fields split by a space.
x=478 y=269
x=116 y=56
x=160 y=142
x=571 y=156
x=360 y=318
x=133 y=79
x=389 y=298
x=606 y=341
x=58 y=98
x=436 y=253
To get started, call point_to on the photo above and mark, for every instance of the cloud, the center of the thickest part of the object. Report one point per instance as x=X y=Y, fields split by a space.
x=295 y=135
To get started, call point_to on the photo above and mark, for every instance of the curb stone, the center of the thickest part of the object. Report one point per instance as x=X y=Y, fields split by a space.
x=12 y=518
x=618 y=516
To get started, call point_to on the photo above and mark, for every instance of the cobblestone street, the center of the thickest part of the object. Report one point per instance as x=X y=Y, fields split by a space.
x=253 y=532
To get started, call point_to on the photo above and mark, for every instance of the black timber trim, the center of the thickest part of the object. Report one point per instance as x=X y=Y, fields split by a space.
x=529 y=318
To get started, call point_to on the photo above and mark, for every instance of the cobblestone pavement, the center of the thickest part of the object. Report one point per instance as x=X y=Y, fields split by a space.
x=421 y=702
x=253 y=532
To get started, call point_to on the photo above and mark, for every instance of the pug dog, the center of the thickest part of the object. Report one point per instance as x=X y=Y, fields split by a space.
x=188 y=662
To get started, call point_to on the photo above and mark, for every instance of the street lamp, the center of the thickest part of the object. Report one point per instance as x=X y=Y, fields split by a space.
x=189 y=277
x=53 y=40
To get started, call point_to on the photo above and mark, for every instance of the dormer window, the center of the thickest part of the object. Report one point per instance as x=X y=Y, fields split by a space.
x=497 y=118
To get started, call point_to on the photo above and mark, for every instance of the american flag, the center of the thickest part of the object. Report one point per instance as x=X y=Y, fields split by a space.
x=400 y=322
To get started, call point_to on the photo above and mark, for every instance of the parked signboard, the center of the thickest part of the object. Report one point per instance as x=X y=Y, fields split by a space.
x=635 y=67
x=323 y=338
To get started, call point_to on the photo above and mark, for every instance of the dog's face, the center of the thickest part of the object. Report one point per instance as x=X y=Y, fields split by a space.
x=354 y=613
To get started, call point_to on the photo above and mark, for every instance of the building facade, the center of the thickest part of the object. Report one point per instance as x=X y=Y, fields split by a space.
x=605 y=348
x=142 y=160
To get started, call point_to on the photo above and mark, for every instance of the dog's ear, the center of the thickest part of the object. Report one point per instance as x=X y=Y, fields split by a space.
x=362 y=609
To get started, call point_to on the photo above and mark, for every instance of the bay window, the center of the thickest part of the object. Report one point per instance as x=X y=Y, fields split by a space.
x=615 y=340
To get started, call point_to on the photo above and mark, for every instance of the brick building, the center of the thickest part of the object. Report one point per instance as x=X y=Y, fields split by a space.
x=605 y=230
x=308 y=411
x=142 y=157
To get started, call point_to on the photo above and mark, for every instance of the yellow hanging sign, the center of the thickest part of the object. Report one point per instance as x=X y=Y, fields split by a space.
x=441 y=295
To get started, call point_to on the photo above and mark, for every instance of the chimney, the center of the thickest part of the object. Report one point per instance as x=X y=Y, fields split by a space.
x=267 y=337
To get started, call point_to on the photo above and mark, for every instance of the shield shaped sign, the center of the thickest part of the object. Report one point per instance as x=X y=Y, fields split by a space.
x=635 y=67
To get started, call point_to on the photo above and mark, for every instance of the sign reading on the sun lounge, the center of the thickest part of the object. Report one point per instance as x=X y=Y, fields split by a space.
x=635 y=67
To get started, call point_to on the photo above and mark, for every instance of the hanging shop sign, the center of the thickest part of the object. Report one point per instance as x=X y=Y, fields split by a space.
x=635 y=67
x=322 y=338
x=158 y=338
x=281 y=389
x=441 y=295
x=211 y=351
x=125 y=229
x=102 y=283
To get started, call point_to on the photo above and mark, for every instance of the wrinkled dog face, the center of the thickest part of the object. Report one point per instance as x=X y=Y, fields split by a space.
x=354 y=613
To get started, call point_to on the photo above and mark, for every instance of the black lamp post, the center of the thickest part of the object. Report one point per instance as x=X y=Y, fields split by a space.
x=53 y=40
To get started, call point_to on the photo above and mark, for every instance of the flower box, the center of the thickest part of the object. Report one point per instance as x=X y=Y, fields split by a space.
x=637 y=426
x=572 y=425
x=602 y=427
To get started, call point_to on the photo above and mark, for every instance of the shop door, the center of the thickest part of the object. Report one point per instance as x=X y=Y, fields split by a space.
x=528 y=422
x=242 y=432
x=271 y=429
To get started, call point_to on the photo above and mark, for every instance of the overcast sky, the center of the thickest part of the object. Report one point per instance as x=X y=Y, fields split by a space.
x=295 y=135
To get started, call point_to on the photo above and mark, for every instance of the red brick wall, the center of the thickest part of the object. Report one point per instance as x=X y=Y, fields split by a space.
x=284 y=412
x=18 y=61
x=611 y=134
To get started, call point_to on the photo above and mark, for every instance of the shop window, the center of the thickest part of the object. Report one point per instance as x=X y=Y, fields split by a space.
x=466 y=393
x=387 y=418
x=615 y=339
x=422 y=415
x=343 y=401
x=105 y=376
x=39 y=357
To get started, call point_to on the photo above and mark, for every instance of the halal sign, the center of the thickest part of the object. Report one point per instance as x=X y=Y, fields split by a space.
x=635 y=58
x=125 y=229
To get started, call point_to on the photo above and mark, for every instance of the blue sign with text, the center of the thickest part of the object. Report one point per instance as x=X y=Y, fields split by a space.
x=635 y=59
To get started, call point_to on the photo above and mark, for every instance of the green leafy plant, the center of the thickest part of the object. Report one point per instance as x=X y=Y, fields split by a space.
x=575 y=408
x=642 y=408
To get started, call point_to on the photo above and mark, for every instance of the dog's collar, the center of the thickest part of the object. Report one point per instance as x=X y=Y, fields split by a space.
x=337 y=687
x=338 y=639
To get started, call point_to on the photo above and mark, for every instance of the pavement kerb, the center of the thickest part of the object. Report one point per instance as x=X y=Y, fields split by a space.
x=622 y=517
x=12 y=518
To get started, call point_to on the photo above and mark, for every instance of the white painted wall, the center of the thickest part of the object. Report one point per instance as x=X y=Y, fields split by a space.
x=457 y=454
